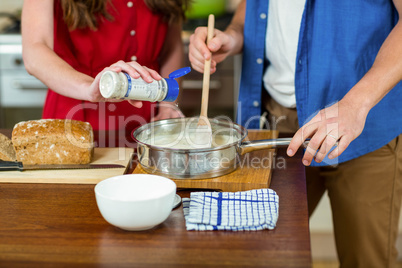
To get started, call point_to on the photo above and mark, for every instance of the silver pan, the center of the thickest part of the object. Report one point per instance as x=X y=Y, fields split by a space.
x=160 y=155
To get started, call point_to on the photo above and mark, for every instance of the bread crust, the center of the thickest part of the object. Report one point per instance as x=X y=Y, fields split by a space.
x=53 y=141
x=7 y=152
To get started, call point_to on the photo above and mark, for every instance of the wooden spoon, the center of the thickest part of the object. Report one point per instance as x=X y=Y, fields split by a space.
x=204 y=130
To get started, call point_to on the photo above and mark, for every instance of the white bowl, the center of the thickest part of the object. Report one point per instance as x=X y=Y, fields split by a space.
x=135 y=202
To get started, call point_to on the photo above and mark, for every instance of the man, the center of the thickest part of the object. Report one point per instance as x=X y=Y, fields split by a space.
x=336 y=67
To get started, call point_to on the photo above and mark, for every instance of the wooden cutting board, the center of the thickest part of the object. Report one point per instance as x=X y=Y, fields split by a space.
x=254 y=172
x=120 y=156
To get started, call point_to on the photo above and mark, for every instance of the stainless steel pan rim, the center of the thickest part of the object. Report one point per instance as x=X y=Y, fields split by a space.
x=242 y=133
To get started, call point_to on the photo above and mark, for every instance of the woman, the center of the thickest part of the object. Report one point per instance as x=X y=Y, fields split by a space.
x=67 y=44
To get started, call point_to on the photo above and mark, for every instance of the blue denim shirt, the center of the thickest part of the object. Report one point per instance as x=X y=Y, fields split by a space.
x=338 y=43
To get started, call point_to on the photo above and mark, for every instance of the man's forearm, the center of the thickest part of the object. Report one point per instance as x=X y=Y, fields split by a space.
x=236 y=27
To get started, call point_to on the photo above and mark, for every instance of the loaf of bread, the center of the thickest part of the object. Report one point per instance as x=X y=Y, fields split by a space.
x=7 y=152
x=53 y=141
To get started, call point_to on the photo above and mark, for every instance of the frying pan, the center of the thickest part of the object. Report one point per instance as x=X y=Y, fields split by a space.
x=160 y=155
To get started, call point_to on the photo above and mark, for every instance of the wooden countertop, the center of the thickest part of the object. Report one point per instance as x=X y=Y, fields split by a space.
x=59 y=225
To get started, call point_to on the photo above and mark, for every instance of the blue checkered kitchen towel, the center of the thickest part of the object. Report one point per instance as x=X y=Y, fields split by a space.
x=240 y=211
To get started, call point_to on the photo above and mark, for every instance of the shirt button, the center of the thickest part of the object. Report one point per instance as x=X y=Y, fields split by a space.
x=134 y=58
x=300 y=62
x=256 y=103
x=259 y=61
x=130 y=4
x=132 y=32
x=263 y=16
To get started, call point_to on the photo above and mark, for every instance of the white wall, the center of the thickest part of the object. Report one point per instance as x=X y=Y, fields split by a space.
x=321 y=220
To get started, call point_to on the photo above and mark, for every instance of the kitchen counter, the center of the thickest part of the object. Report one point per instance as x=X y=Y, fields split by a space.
x=59 y=225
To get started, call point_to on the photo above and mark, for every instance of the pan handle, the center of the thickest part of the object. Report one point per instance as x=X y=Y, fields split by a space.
x=250 y=146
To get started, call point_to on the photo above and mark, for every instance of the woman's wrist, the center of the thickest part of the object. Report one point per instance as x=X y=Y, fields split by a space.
x=88 y=89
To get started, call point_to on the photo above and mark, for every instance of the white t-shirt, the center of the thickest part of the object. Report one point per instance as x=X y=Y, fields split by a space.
x=284 y=18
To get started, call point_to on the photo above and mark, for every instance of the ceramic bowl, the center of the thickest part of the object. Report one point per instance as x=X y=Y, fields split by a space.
x=135 y=202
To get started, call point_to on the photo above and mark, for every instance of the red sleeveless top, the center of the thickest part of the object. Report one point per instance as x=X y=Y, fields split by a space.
x=135 y=33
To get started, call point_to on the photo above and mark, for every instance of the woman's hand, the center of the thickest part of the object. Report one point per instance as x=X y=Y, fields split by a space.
x=134 y=69
x=341 y=122
x=167 y=110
